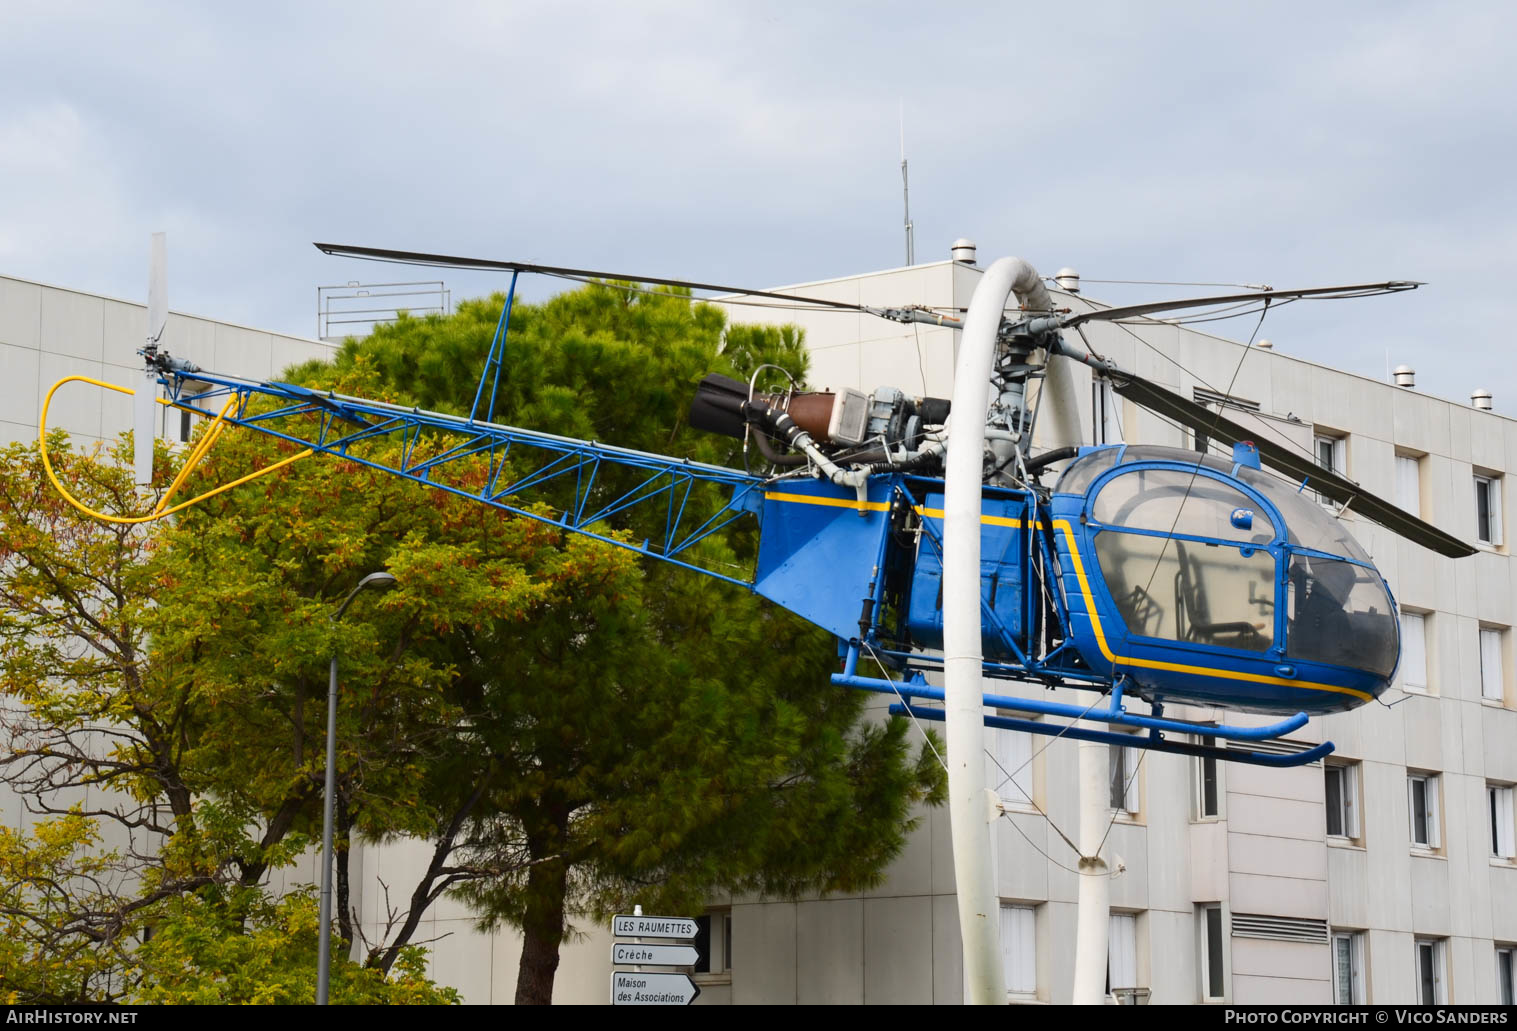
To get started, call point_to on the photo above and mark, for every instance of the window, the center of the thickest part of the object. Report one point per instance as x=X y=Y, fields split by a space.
x=1122 y=763
x=1341 y=793
x=1498 y=804
x=1008 y=765
x=1332 y=455
x=1122 y=952
x=1504 y=973
x=1019 y=948
x=1422 y=804
x=1413 y=651
x=1105 y=421
x=713 y=944
x=1207 y=803
x=1432 y=980
x=1348 y=968
x=1492 y=683
x=1409 y=483
x=1213 y=956
x=1488 y=509
x=1213 y=593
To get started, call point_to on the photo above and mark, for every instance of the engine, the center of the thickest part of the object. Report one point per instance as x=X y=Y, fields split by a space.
x=846 y=428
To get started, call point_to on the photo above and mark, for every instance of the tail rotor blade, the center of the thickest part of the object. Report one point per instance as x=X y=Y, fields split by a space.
x=145 y=400
x=144 y=426
x=157 y=290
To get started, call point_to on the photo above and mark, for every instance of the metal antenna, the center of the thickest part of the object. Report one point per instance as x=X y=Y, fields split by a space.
x=906 y=194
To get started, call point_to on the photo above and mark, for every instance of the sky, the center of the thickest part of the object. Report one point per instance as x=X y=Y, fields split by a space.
x=758 y=144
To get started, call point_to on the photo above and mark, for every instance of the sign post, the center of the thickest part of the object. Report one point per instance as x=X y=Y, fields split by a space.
x=653 y=988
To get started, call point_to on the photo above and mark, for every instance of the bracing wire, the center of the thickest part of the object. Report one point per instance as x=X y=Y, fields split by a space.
x=920 y=729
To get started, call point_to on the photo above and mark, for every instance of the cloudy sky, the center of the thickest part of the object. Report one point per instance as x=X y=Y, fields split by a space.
x=1282 y=143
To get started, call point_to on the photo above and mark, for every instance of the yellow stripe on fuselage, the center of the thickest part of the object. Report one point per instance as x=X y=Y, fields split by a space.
x=884 y=506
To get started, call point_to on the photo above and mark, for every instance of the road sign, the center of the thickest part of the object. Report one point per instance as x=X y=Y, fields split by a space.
x=654 y=955
x=635 y=988
x=653 y=927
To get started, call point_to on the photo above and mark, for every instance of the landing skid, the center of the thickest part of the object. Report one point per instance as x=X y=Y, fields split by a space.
x=1114 y=713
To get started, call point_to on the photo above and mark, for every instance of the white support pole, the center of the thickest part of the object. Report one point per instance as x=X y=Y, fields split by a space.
x=1092 y=923
x=969 y=805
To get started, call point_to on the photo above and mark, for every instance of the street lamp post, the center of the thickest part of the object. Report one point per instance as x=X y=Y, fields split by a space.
x=379 y=581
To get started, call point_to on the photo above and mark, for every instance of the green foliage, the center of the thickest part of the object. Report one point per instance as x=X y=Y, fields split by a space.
x=572 y=731
x=666 y=736
x=104 y=694
x=242 y=947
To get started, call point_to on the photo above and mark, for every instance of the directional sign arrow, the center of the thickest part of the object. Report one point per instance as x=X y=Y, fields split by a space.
x=654 y=955
x=634 y=988
x=653 y=927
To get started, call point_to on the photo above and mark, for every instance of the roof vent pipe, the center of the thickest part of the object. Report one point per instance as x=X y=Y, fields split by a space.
x=1268 y=345
x=963 y=250
x=1481 y=399
x=1068 y=280
x=1405 y=376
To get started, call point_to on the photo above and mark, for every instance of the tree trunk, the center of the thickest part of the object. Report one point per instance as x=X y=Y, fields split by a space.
x=340 y=855
x=542 y=932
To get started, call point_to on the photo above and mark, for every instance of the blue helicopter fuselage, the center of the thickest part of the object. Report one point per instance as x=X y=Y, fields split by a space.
x=1209 y=583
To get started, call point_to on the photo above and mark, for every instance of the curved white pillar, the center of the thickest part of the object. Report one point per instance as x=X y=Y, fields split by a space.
x=970 y=805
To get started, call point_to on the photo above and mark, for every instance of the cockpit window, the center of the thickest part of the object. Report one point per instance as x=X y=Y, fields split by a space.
x=1182 y=502
x=1306 y=522
x=1082 y=472
x=1340 y=613
x=1217 y=594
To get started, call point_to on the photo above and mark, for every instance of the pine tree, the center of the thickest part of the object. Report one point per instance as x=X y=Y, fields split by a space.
x=669 y=735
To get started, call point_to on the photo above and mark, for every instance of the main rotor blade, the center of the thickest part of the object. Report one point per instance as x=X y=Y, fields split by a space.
x=449 y=261
x=1135 y=310
x=1297 y=466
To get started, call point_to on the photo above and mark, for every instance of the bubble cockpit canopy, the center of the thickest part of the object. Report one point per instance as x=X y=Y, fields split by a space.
x=1188 y=553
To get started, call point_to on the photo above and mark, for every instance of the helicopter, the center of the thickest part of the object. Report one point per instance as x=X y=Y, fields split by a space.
x=1139 y=571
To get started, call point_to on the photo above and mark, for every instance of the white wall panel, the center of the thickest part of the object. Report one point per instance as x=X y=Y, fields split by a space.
x=74 y=324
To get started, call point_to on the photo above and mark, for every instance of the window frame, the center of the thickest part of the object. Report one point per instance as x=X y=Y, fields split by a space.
x=1501 y=821
x=1204 y=951
x=1198 y=768
x=1018 y=922
x=1019 y=790
x=718 y=955
x=1358 y=988
x=1128 y=922
x=1439 y=969
x=1505 y=987
x=1105 y=415
x=1495 y=637
x=1132 y=807
x=1338 y=456
x=1432 y=810
x=1399 y=479
x=1349 y=805
x=1422 y=619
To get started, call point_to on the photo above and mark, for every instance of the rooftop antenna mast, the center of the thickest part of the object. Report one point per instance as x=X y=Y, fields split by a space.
x=906 y=194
